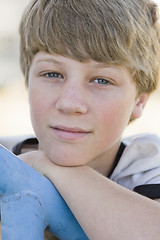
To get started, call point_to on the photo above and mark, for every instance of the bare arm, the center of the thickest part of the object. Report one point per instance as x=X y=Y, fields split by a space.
x=104 y=209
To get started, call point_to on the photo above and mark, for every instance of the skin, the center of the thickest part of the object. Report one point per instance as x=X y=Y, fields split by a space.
x=79 y=112
x=104 y=209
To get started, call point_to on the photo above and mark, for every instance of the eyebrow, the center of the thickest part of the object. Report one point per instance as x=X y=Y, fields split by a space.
x=49 y=60
x=96 y=64
x=103 y=65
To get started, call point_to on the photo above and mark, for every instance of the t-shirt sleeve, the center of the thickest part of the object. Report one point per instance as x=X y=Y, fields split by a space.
x=139 y=166
x=25 y=146
x=149 y=190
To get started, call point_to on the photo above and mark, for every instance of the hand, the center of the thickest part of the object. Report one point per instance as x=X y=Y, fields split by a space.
x=38 y=160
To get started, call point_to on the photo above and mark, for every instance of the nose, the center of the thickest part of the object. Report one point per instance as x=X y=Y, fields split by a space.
x=71 y=100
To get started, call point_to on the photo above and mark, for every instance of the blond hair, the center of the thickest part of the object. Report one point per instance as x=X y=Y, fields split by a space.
x=123 y=32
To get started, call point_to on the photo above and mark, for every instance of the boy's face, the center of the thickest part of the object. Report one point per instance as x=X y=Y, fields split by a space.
x=79 y=110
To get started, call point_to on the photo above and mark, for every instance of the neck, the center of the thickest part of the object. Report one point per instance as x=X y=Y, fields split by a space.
x=105 y=161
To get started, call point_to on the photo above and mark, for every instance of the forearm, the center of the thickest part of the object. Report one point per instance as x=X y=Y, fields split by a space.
x=104 y=209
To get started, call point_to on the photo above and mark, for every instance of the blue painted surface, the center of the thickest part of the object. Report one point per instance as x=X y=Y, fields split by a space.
x=29 y=203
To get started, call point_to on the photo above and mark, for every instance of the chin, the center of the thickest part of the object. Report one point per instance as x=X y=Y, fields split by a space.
x=65 y=161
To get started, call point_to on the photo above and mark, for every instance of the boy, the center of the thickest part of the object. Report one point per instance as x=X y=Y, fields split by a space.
x=90 y=67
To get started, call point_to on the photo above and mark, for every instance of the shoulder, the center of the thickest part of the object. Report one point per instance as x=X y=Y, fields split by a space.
x=140 y=161
x=142 y=146
x=151 y=140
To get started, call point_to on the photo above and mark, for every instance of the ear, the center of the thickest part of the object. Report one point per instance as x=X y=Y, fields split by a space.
x=139 y=105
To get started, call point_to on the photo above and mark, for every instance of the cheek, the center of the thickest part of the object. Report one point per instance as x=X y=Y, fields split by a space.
x=114 y=116
x=38 y=107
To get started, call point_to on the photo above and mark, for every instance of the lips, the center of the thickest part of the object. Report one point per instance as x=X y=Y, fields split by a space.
x=69 y=133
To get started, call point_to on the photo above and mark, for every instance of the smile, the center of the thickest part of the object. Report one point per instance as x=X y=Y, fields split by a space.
x=68 y=133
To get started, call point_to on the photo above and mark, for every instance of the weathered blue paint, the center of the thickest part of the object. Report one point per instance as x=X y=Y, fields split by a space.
x=22 y=217
x=29 y=203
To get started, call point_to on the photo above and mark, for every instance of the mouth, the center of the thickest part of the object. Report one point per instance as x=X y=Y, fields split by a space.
x=69 y=133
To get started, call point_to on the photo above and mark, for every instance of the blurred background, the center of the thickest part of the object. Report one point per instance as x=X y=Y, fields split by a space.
x=14 y=109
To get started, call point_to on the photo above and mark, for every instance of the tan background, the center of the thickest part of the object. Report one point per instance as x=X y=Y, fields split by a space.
x=14 y=109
